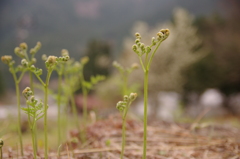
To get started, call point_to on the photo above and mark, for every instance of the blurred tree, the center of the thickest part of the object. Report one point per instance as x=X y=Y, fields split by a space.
x=221 y=68
x=2 y=86
x=99 y=53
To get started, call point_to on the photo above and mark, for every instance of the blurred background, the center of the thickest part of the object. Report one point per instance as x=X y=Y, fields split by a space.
x=197 y=68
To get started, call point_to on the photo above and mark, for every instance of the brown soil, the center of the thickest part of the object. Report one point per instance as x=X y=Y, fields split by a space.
x=165 y=141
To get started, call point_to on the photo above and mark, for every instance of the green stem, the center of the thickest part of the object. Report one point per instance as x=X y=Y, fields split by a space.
x=125 y=77
x=34 y=135
x=35 y=130
x=150 y=60
x=146 y=59
x=26 y=55
x=40 y=80
x=124 y=129
x=45 y=112
x=84 y=104
x=36 y=139
x=59 y=111
x=29 y=119
x=21 y=76
x=146 y=68
x=123 y=137
x=145 y=113
x=31 y=126
x=33 y=142
x=68 y=95
x=74 y=109
x=84 y=90
x=19 y=112
x=1 y=155
x=141 y=62
x=31 y=81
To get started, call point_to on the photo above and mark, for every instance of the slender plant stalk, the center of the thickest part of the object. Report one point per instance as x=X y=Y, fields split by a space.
x=35 y=130
x=19 y=111
x=85 y=93
x=1 y=155
x=87 y=86
x=74 y=109
x=81 y=132
x=140 y=49
x=31 y=125
x=8 y=60
x=68 y=78
x=146 y=71
x=58 y=151
x=45 y=112
x=124 y=128
x=85 y=112
x=123 y=136
x=33 y=115
x=34 y=135
x=64 y=119
x=59 y=104
x=125 y=77
x=145 y=113
x=31 y=81
x=1 y=145
x=123 y=107
x=84 y=90
x=34 y=140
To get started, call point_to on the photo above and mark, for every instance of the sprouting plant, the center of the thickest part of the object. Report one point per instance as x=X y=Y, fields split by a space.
x=87 y=85
x=1 y=145
x=72 y=84
x=123 y=107
x=124 y=72
x=14 y=71
x=35 y=111
x=22 y=52
x=60 y=70
x=73 y=75
x=51 y=62
x=140 y=49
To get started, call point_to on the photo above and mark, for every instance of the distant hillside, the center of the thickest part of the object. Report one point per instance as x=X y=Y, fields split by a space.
x=70 y=24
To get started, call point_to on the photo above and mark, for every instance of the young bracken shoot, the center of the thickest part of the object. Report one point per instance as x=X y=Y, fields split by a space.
x=123 y=107
x=22 y=52
x=35 y=111
x=74 y=80
x=14 y=70
x=71 y=76
x=51 y=63
x=140 y=49
x=87 y=85
x=60 y=70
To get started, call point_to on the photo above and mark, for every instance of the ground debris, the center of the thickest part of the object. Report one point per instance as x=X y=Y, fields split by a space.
x=165 y=141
